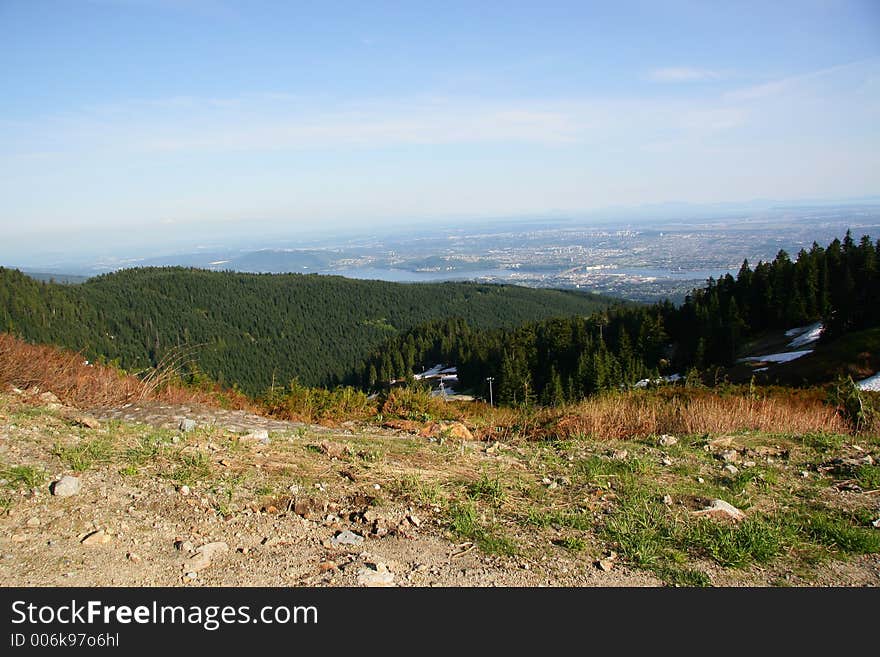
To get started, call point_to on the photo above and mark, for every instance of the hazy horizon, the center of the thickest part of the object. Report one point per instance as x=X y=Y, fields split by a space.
x=133 y=122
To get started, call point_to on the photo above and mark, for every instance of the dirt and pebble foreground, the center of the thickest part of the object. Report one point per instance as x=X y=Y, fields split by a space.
x=156 y=495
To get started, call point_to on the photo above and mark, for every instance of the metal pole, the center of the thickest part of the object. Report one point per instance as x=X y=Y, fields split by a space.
x=490 y=379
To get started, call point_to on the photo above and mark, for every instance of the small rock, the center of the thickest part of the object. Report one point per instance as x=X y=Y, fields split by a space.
x=729 y=456
x=731 y=469
x=184 y=490
x=718 y=443
x=377 y=487
x=619 y=454
x=346 y=537
x=184 y=546
x=99 y=537
x=33 y=522
x=804 y=474
x=133 y=557
x=700 y=480
x=259 y=435
x=66 y=486
x=668 y=441
x=553 y=484
x=326 y=566
x=191 y=576
x=546 y=481
x=86 y=421
x=186 y=425
x=666 y=461
x=50 y=400
x=414 y=519
x=721 y=510
x=876 y=523
x=378 y=577
x=749 y=464
x=605 y=565
x=203 y=556
x=667 y=500
x=333 y=450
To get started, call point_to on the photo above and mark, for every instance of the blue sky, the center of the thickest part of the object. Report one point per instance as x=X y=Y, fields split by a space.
x=116 y=114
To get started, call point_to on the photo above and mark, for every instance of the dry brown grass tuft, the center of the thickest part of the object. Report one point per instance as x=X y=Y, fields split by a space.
x=639 y=414
x=66 y=374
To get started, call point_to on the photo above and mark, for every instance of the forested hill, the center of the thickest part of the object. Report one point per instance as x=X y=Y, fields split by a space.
x=253 y=327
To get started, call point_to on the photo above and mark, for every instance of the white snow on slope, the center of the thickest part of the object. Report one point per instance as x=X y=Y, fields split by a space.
x=804 y=335
x=777 y=358
x=871 y=383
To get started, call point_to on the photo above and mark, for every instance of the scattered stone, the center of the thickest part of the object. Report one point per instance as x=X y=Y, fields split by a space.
x=546 y=481
x=184 y=546
x=700 y=480
x=204 y=555
x=50 y=400
x=605 y=565
x=804 y=474
x=33 y=522
x=191 y=576
x=377 y=487
x=184 y=490
x=719 y=443
x=749 y=464
x=667 y=500
x=729 y=456
x=720 y=510
x=66 y=486
x=186 y=425
x=333 y=450
x=378 y=576
x=414 y=520
x=668 y=441
x=258 y=435
x=730 y=468
x=133 y=557
x=666 y=461
x=619 y=454
x=876 y=523
x=86 y=421
x=99 y=537
x=327 y=566
x=346 y=537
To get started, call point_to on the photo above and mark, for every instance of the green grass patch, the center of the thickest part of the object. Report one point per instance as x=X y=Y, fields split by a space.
x=488 y=489
x=837 y=530
x=571 y=543
x=86 y=454
x=868 y=476
x=189 y=468
x=734 y=545
x=465 y=523
x=27 y=476
x=548 y=518
x=416 y=489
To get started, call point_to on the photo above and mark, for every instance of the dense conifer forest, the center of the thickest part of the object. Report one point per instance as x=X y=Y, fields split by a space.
x=253 y=330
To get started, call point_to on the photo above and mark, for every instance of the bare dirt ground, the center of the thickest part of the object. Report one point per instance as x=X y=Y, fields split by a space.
x=243 y=500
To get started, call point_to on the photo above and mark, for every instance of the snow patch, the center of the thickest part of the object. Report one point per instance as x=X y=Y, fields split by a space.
x=777 y=358
x=804 y=335
x=871 y=383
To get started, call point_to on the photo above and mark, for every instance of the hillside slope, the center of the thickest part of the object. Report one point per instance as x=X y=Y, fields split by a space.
x=252 y=329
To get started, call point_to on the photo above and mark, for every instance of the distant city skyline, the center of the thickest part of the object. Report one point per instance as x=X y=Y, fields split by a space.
x=133 y=119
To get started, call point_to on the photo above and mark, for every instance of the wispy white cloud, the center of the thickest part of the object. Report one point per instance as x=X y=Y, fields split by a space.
x=684 y=74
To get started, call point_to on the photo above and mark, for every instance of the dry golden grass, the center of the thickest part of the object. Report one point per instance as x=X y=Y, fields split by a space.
x=639 y=414
x=65 y=373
